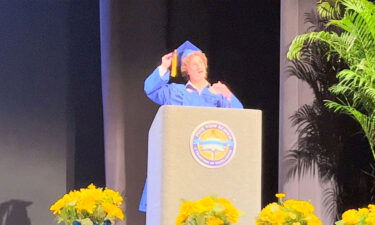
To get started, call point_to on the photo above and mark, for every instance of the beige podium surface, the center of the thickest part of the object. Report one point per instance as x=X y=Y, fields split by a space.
x=183 y=141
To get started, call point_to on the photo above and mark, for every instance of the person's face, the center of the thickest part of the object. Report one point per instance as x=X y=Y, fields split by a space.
x=196 y=69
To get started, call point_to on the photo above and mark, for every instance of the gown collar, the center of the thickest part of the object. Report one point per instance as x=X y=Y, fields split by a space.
x=191 y=87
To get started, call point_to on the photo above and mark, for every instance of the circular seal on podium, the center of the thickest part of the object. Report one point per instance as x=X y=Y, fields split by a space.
x=212 y=144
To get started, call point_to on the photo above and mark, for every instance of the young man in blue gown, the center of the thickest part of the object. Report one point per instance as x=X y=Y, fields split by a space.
x=196 y=92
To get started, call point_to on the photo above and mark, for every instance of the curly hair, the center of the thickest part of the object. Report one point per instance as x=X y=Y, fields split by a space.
x=187 y=60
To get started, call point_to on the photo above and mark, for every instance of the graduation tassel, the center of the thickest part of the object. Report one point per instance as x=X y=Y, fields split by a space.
x=174 y=64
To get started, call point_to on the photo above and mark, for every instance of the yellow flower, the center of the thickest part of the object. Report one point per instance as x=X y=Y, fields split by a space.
x=293 y=212
x=89 y=204
x=370 y=218
x=86 y=204
x=72 y=197
x=272 y=214
x=181 y=219
x=274 y=207
x=113 y=196
x=56 y=208
x=91 y=186
x=205 y=205
x=313 y=220
x=363 y=211
x=292 y=215
x=350 y=217
x=300 y=206
x=214 y=221
x=230 y=211
x=68 y=199
x=280 y=195
x=258 y=222
x=188 y=208
x=113 y=211
x=208 y=206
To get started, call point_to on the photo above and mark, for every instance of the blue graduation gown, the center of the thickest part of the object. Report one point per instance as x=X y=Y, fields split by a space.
x=162 y=93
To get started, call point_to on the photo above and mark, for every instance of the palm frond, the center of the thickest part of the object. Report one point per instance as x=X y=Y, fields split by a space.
x=336 y=43
x=315 y=21
x=329 y=10
x=367 y=122
x=330 y=201
x=299 y=163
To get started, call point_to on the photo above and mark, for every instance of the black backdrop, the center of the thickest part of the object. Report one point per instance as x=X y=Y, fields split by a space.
x=241 y=39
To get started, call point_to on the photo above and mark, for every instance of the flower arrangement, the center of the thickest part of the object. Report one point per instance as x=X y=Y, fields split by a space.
x=362 y=216
x=89 y=206
x=207 y=211
x=291 y=212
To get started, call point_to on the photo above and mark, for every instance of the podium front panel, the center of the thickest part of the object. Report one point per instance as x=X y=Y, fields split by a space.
x=174 y=173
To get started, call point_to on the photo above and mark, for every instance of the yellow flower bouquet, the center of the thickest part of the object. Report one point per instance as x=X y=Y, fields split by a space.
x=89 y=206
x=289 y=212
x=207 y=211
x=362 y=216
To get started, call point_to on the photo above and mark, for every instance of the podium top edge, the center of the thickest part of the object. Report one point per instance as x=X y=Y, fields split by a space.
x=173 y=107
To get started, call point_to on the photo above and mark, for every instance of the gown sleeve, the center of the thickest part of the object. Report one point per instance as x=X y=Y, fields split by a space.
x=233 y=102
x=156 y=87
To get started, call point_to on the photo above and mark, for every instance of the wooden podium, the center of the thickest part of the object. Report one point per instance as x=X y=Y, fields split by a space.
x=195 y=152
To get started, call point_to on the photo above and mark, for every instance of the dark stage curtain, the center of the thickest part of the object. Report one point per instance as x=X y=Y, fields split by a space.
x=132 y=39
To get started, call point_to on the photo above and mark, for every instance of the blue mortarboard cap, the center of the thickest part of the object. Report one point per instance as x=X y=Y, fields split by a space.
x=186 y=49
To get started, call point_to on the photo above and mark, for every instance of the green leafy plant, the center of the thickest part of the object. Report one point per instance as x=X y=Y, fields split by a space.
x=355 y=46
x=328 y=144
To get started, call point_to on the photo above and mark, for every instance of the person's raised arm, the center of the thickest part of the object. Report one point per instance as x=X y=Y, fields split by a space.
x=156 y=84
x=166 y=62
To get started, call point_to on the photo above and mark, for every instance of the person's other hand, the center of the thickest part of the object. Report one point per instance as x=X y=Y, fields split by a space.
x=220 y=88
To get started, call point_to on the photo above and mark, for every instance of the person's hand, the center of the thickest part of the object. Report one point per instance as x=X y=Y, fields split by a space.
x=166 y=62
x=220 y=88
